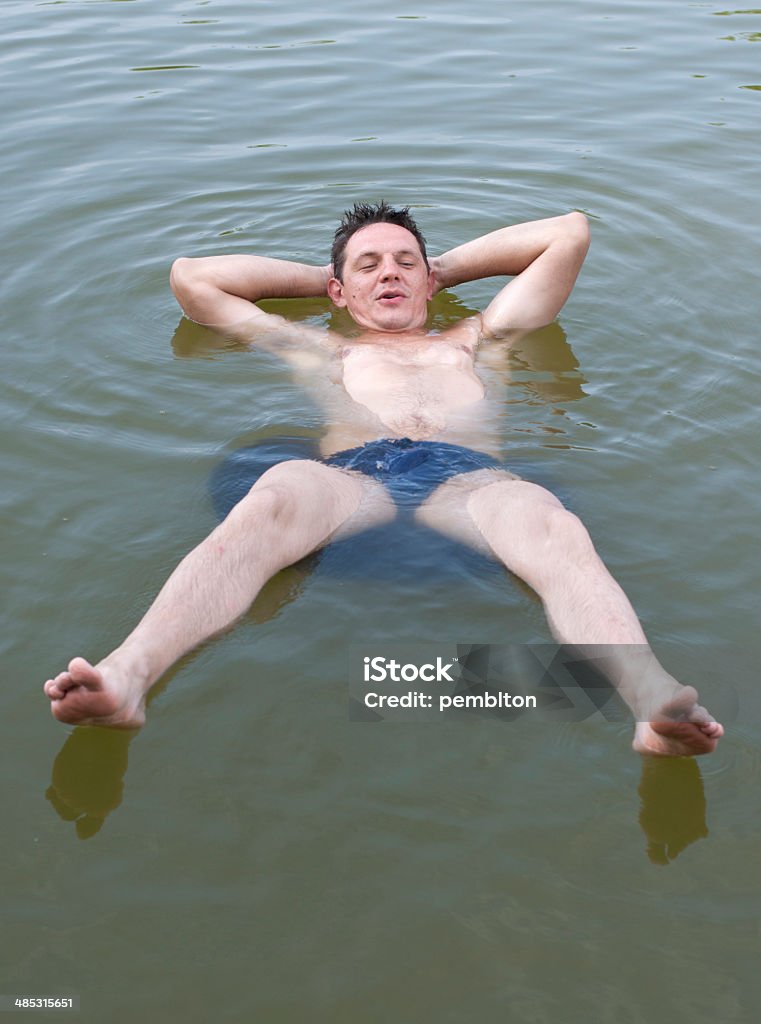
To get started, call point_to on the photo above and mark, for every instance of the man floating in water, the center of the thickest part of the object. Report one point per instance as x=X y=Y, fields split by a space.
x=411 y=420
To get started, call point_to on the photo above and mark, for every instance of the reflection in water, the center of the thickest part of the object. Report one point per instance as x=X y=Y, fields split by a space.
x=673 y=809
x=283 y=588
x=447 y=309
x=87 y=782
x=194 y=341
x=544 y=367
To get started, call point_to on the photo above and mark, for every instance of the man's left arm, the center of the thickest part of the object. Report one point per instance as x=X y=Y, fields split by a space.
x=543 y=257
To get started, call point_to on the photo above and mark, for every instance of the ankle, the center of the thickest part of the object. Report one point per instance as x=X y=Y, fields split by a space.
x=648 y=689
x=130 y=667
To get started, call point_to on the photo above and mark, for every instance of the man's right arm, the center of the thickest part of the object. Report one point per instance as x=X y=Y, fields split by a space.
x=222 y=291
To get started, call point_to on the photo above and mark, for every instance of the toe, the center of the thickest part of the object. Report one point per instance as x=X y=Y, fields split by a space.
x=64 y=683
x=53 y=687
x=83 y=674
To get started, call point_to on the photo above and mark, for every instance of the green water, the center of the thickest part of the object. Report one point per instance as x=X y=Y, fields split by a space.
x=252 y=854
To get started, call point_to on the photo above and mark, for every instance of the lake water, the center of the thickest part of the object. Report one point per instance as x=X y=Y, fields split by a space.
x=253 y=854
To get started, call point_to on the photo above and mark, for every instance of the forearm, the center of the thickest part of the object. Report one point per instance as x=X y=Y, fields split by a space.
x=510 y=250
x=223 y=289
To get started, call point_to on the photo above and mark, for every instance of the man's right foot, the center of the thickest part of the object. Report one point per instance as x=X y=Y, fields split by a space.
x=95 y=695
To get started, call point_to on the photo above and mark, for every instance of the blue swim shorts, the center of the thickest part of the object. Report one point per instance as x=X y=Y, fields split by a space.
x=412 y=470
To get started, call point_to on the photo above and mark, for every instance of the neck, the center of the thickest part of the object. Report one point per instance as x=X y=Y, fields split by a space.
x=372 y=337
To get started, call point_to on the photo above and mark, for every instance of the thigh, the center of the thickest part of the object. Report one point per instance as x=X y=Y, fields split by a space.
x=497 y=513
x=448 y=509
x=333 y=501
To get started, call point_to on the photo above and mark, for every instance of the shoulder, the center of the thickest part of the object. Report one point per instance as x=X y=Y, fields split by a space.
x=476 y=333
x=465 y=333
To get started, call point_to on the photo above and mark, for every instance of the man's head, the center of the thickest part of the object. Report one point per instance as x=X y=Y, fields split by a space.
x=364 y=214
x=380 y=267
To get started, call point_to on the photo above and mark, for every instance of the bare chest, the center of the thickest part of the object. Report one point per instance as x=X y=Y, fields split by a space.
x=414 y=388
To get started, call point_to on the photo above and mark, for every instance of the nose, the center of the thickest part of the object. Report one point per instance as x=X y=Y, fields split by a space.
x=389 y=268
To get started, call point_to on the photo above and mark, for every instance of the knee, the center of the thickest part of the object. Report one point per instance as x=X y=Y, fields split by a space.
x=523 y=512
x=553 y=547
x=287 y=490
x=566 y=538
x=276 y=501
x=546 y=531
x=272 y=498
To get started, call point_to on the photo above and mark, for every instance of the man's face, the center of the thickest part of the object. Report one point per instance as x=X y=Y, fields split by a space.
x=386 y=285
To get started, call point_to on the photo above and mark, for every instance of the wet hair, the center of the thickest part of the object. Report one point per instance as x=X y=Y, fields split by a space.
x=360 y=216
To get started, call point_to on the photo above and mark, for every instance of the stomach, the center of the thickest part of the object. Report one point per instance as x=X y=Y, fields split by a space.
x=351 y=424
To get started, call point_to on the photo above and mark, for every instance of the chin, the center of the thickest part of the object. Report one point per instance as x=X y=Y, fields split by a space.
x=396 y=325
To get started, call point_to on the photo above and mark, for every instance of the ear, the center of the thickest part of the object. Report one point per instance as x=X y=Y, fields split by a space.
x=336 y=292
x=431 y=285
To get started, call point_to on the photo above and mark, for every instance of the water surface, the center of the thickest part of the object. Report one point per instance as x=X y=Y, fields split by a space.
x=252 y=854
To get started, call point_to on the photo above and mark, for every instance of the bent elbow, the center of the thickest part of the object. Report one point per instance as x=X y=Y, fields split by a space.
x=194 y=282
x=190 y=288
x=578 y=228
x=178 y=276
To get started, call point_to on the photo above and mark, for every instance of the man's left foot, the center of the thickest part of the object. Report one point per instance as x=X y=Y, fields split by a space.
x=680 y=728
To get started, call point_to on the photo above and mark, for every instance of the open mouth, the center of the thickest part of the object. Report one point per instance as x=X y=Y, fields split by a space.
x=391 y=297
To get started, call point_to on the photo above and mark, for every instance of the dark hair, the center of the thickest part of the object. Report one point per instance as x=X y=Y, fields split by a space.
x=368 y=213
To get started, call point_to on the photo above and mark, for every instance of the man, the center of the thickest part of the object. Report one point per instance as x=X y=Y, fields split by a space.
x=410 y=426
